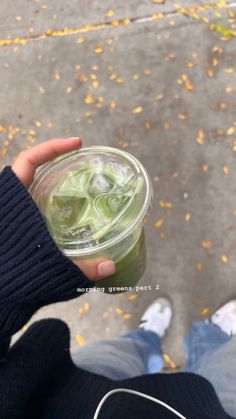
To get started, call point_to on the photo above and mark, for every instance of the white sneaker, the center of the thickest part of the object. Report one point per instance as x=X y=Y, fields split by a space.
x=225 y=318
x=157 y=317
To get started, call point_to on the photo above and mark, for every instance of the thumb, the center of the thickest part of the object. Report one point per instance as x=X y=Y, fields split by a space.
x=97 y=268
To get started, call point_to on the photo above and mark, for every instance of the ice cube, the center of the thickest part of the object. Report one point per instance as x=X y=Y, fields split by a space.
x=81 y=237
x=117 y=201
x=99 y=184
x=83 y=233
x=66 y=209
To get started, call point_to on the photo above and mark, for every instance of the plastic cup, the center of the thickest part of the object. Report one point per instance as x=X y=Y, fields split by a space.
x=94 y=201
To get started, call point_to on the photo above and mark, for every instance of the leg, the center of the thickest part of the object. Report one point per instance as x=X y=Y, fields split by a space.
x=120 y=358
x=134 y=354
x=212 y=350
x=203 y=338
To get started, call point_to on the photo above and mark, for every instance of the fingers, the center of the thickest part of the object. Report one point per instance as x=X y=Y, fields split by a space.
x=96 y=270
x=28 y=160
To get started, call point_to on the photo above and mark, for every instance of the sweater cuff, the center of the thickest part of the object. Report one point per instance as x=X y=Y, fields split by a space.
x=33 y=270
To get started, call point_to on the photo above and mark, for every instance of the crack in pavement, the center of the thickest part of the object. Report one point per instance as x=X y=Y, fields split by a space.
x=54 y=33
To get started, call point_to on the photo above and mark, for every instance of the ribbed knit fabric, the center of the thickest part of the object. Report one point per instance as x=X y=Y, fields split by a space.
x=38 y=379
x=33 y=271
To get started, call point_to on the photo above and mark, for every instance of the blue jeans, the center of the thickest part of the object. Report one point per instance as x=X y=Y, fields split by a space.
x=211 y=353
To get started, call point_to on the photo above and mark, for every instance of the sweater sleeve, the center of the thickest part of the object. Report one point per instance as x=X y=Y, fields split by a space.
x=33 y=270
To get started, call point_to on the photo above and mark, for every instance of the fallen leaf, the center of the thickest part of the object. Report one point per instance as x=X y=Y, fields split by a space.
x=132 y=297
x=165 y=204
x=110 y=13
x=139 y=109
x=230 y=130
x=119 y=311
x=127 y=316
x=207 y=244
x=169 y=361
x=80 y=340
x=98 y=49
x=89 y=100
x=200 y=267
x=148 y=125
x=200 y=137
x=159 y=223
x=205 y=312
x=187 y=216
x=224 y=258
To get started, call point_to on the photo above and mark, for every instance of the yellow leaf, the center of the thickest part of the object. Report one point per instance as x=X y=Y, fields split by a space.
x=148 y=125
x=200 y=267
x=147 y=72
x=132 y=297
x=228 y=89
x=139 y=109
x=42 y=90
x=162 y=235
x=188 y=86
x=127 y=316
x=200 y=137
x=80 y=40
x=80 y=340
x=57 y=75
x=230 y=130
x=207 y=244
x=119 y=311
x=86 y=307
x=187 y=216
x=165 y=204
x=96 y=84
x=169 y=361
x=4 y=151
x=229 y=70
x=205 y=312
x=182 y=116
x=98 y=49
x=110 y=13
x=89 y=100
x=160 y=96
x=119 y=80
x=224 y=258
x=159 y=223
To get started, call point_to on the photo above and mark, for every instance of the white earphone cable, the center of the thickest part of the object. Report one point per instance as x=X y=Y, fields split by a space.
x=137 y=393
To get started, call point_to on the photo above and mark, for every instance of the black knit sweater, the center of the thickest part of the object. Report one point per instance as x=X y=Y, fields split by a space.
x=38 y=379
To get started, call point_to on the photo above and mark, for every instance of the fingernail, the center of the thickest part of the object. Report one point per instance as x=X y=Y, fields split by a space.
x=74 y=138
x=106 y=268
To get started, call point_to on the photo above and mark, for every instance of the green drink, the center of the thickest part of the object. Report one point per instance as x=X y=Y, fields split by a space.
x=94 y=201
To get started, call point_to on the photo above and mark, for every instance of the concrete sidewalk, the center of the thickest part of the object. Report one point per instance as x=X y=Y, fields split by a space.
x=159 y=81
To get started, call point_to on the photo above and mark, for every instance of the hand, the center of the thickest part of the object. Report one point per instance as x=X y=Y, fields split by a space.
x=24 y=168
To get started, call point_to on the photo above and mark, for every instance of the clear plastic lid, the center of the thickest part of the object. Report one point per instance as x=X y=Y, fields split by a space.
x=92 y=197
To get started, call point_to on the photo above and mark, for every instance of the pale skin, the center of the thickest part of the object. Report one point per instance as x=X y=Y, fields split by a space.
x=24 y=168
